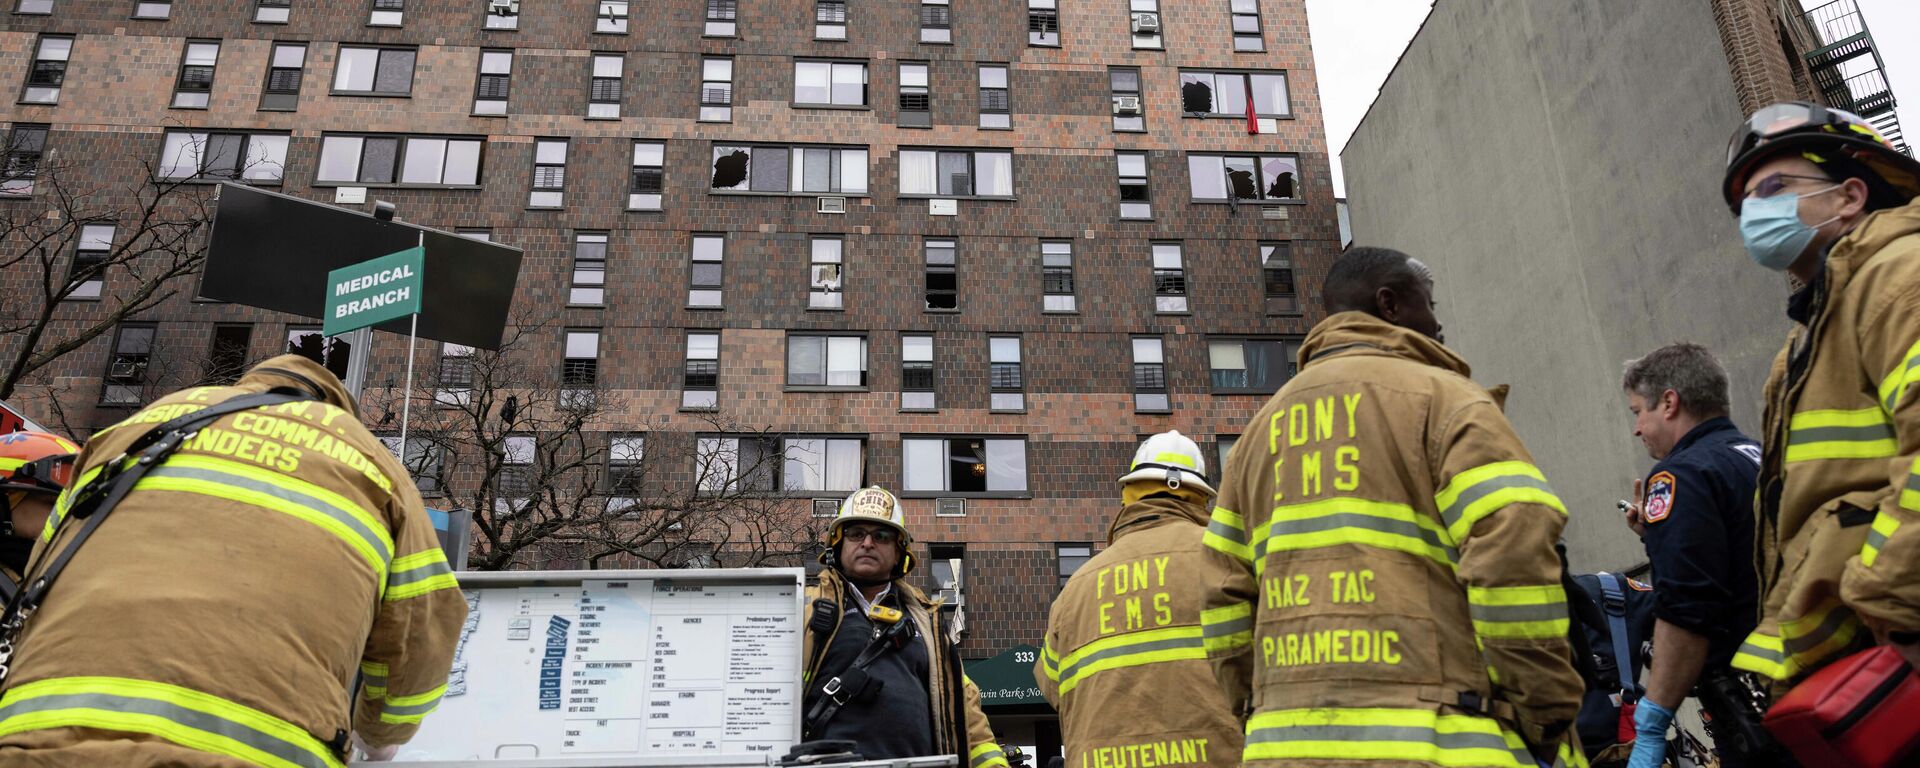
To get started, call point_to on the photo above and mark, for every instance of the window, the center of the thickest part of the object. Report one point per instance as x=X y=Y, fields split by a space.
x=475 y=233
x=716 y=90
x=949 y=573
x=603 y=92
x=332 y=352
x=373 y=71
x=830 y=19
x=36 y=7
x=491 y=88
x=943 y=281
x=195 y=85
x=454 y=382
x=995 y=111
x=624 y=474
x=796 y=170
x=1145 y=23
x=1056 y=276
x=515 y=480
x=931 y=173
x=704 y=281
x=1071 y=557
x=399 y=160
x=49 y=70
x=612 y=18
x=549 y=173
x=227 y=355
x=936 y=21
x=649 y=176
x=1129 y=112
x=1135 y=203
x=1276 y=271
x=1223 y=445
x=153 y=9
x=1043 y=23
x=580 y=369
x=827 y=275
x=127 y=368
x=425 y=461
x=272 y=11
x=1228 y=94
x=387 y=13
x=89 y=253
x=826 y=361
x=939 y=466
x=815 y=464
x=284 y=71
x=721 y=17
x=829 y=83
x=503 y=14
x=1245 y=177
x=1169 y=278
x=589 y=269
x=1003 y=374
x=916 y=373
x=736 y=464
x=258 y=158
x=1149 y=376
x=701 y=386
x=916 y=103
x=26 y=144
x=1256 y=366
x=1246 y=25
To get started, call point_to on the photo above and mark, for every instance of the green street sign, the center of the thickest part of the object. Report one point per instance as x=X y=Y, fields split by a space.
x=373 y=291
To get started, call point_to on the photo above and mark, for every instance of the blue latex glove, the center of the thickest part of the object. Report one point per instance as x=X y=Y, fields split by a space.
x=1650 y=723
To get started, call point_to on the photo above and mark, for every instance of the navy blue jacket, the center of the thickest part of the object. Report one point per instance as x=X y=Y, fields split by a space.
x=1699 y=536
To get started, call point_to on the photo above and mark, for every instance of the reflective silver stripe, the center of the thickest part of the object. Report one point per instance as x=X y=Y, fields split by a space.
x=1507 y=613
x=1876 y=539
x=1865 y=433
x=986 y=757
x=1071 y=670
x=1836 y=618
x=1225 y=628
x=189 y=718
x=1762 y=652
x=206 y=475
x=425 y=571
x=1482 y=489
x=1340 y=520
x=1227 y=532
x=1387 y=733
x=411 y=709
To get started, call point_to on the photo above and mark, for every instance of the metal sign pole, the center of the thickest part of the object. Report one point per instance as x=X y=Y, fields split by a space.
x=406 y=393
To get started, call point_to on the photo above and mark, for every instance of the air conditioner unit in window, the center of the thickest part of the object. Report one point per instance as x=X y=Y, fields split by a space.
x=124 y=368
x=503 y=7
x=833 y=205
x=826 y=507
x=949 y=507
x=1146 y=23
x=1126 y=105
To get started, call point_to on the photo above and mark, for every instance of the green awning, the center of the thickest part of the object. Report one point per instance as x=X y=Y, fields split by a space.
x=1006 y=680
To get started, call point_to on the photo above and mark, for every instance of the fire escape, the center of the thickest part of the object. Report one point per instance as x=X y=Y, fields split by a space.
x=1846 y=68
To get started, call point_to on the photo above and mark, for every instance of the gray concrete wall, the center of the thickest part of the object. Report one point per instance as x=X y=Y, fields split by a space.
x=1557 y=163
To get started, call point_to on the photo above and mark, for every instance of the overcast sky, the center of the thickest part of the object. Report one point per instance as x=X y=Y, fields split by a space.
x=1355 y=45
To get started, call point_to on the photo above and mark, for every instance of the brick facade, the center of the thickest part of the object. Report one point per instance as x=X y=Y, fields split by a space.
x=1765 y=52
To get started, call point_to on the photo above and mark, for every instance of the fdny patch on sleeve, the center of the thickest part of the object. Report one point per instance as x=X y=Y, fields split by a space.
x=1659 y=498
x=1639 y=586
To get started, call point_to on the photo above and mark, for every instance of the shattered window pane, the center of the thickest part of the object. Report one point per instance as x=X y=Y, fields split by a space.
x=1196 y=93
x=730 y=167
x=1241 y=179
x=1280 y=174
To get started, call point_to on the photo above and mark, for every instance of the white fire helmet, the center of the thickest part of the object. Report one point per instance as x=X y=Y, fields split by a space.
x=1172 y=458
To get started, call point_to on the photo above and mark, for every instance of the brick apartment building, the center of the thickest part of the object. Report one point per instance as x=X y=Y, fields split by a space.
x=944 y=243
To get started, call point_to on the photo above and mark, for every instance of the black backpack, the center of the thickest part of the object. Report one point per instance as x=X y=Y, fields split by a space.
x=1612 y=623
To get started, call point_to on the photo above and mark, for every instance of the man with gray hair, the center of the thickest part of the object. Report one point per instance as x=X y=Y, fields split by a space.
x=1695 y=516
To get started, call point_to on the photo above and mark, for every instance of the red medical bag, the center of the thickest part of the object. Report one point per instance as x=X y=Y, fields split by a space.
x=1863 y=710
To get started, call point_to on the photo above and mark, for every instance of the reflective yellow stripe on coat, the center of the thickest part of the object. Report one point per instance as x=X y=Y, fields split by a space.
x=1130 y=650
x=419 y=573
x=1801 y=644
x=1227 y=532
x=1893 y=387
x=412 y=709
x=185 y=717
x=1227 y=627
x=986 y=755
x=1532 y=612
x=1884 y=524
x=1860 y=434
x=1486 y=489
x=1409 y=735
x=1345 y=521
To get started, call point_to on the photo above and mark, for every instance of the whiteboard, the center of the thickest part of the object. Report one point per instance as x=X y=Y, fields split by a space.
x=618 y=668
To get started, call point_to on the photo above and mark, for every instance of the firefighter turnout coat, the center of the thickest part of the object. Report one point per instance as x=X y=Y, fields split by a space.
x=959 y=724
x=219 y=615
x=1125 y=634
x=1388 y=588
x=1839 y=496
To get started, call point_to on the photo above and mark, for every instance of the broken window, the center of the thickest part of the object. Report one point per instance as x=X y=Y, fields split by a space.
x=916 y=103
x=1234 y=94
x=589 y=269
x=916 y=373
x=936 y=21
x=703 y=284
x=1276 y=269
x=580 y=369
x=943 y=281
x=333 y=352
x=495 y=81
x=649 y=176
x=127 y=369
x=1135 y=202
x=827 y=274
x=830 y=19
x=49 y=70
x=612 y=18
x=721 y=17
x=954 y=173
x=1169 y=278
x=1260 y=178
x=1145 y=21
x=716 y=90
x=227 y=355
x=798 y=170
x=1043 y=23
x=455 y=378
x=995 y=111
x=1129 y=112
x=284 y=70
x=1246 y=25
x=700 y=388
x=943 y=466
x=829 y=83
x=1056 y=276
x=195 y=85
x=1251 y=365
x=549 y=174
x=1149 y=376
x=20 y=162
x=826 y=361
x=1004 y=378
x=603 y=92
x=89 y=252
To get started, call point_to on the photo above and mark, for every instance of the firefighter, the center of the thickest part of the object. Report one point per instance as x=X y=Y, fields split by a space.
x=1823 y=197
x=1126 y=629
x=219 y=615
x=34 y=468
x=1388 y=588
x=882 y=669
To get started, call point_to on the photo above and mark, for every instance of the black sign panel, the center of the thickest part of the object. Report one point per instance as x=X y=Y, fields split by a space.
x=274 y=251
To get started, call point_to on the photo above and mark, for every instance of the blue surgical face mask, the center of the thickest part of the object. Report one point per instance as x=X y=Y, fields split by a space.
x=1772 y=229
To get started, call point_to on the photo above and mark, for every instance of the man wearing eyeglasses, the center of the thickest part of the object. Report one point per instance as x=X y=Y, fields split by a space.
x=1823 y=197
x=882 y=670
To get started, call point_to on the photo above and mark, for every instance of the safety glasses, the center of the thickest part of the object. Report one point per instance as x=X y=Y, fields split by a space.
x=878 y=535
x=1776 y=183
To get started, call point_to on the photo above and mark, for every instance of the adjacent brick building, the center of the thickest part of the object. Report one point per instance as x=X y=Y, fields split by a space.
x=1014 y=194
